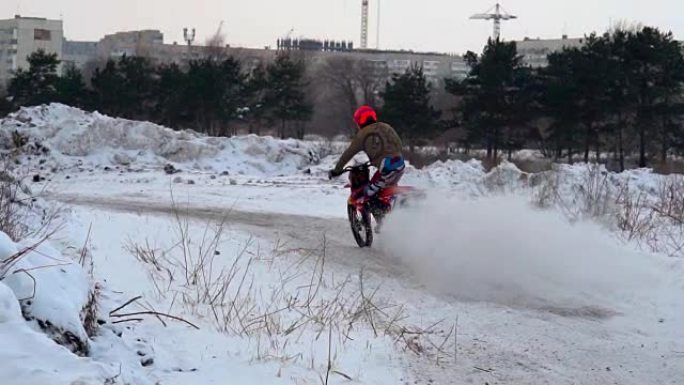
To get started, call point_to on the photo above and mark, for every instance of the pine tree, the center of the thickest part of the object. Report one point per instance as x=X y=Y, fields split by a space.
x=493 y=98
x=657 y=74
x=214 y=93
x=407 y=106
x=285 y=101
x=38 y=84
x=125 y=87
x=170 y=108
x=71 y=89
x=108 y=86
x=256 y=90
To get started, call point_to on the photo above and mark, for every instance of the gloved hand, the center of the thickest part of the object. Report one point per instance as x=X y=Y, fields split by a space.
x=333 y=174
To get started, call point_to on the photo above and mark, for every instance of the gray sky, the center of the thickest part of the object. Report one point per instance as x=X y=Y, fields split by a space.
x=425 y=25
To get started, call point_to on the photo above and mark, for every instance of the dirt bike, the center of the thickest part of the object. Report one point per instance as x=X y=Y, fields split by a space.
x=361 y=210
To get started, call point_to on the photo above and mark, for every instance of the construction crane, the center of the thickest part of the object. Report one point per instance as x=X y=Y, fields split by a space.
x=497 y=15
x=220 y=28
x=364 y=24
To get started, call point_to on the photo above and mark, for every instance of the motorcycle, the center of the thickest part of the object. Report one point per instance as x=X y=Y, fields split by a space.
x=361 y=210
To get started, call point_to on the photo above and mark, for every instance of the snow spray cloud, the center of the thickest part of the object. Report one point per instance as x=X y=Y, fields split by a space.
x=501 y=249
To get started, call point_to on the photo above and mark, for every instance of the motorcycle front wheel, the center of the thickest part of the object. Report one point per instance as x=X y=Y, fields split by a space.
x=361 y=226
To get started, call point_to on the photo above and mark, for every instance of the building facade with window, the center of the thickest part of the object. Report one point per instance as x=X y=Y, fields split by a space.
x=21 y=36
x=534 y=52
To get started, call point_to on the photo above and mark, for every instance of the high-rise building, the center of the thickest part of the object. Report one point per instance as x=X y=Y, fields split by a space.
x=21 y=36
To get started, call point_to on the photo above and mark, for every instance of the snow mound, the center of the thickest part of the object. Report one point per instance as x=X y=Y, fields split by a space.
x=29 y=358
x=9 y=305
x=7 y=247
x=69 y=137
x=469 y=178
x=52 y=290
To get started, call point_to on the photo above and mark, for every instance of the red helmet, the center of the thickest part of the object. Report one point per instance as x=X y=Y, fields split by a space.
x=364 y=116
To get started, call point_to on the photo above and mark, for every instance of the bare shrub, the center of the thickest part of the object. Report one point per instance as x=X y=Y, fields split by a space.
x=670 y=198
x=671 y=166
x=325 y=148
x=10 y=218
x=635 y=223
x=592 y=198
x=533 y=165
x=652 y=219
x=546 y=194
x=306 y=302
x=595 y=192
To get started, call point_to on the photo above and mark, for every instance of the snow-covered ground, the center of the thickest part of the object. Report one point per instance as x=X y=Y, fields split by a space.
x=248 y=242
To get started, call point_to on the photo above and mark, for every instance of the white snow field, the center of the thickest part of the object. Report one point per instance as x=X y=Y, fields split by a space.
x=238 y=267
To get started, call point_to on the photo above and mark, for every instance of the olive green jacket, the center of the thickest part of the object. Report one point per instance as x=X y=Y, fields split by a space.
x=378 y=141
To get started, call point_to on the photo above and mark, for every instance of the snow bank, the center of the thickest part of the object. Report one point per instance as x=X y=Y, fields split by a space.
x=9 y=305
x=52 y=290
x=29 y=358
x=66 y=137
x=7 y=247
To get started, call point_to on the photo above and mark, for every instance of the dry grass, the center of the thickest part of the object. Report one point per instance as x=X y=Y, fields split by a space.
x=304 y=302
x=11 y=218
x=533 y=166
x=671 y=166
x=654 y=220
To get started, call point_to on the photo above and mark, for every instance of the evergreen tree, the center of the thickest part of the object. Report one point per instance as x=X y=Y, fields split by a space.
x=284 y=100
x=124 y=87
x=620 y=104
x=5 y=105
x=214 y=93
x=256 y=91
x=493 y=97
x=108 y=87
x=38 y=84
x=658 y=73
x=71 y=89
x=170 y=109
x=561 y=90
x=407 y=106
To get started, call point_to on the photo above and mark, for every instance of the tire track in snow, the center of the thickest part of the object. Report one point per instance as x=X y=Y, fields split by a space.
x=300 y=230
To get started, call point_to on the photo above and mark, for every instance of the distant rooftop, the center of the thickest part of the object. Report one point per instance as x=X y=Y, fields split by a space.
x=29 y=17
x=402 y=51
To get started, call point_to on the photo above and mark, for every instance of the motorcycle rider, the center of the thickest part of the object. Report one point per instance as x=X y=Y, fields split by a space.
x=382 y=145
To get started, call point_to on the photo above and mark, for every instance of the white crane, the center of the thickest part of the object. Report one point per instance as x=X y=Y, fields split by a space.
x=497 y=14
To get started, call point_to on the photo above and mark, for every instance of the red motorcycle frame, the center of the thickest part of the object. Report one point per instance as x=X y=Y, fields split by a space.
x=361 y=210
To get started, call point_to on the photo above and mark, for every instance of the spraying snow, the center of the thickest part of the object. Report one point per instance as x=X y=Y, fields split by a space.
x=502 y=250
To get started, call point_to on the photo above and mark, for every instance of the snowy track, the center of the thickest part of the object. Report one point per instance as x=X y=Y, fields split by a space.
x=512 y=342
x=533 y=299
x=298 y=230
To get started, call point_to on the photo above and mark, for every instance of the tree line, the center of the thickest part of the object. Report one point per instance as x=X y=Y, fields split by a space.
x=621 y=93
x=207 y=94
x=618 y=95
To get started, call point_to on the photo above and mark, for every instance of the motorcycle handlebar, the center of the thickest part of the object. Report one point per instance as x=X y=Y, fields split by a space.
x=352 y=168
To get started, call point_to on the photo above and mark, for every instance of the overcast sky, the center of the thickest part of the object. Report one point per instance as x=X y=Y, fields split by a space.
x=424 y=25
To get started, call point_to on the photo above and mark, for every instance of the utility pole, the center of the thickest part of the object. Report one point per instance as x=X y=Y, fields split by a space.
x=189 y=36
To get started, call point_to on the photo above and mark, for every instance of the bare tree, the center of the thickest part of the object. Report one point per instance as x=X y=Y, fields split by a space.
x=371 y=78
x=344 y=83
x=340 y=73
